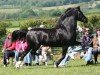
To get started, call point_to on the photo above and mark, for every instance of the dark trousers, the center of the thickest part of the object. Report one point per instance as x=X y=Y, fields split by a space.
x=7 y=55
x=95 y=53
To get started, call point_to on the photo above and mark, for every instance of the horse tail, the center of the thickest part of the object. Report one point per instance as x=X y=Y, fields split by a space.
x=19 y=34
x=22 y=34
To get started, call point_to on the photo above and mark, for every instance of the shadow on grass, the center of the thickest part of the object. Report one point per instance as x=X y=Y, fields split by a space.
x=98 y=64
x=51 y=66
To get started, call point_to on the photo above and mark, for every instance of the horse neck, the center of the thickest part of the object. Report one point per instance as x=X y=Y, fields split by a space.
x=68 y=22
x=70 y=25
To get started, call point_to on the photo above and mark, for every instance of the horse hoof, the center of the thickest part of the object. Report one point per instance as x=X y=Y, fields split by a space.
x=61 y=66
x=55 y=64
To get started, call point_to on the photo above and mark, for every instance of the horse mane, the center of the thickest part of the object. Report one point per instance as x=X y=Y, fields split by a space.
x=67 y=10
x=67 y=13
x=62 y=17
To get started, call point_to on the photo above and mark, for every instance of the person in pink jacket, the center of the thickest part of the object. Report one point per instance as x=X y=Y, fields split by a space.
x=8 y=49
x=21 y=46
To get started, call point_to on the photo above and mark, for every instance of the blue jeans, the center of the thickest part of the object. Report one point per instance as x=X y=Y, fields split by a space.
x=74 y=49
x=88 y=55
x=36 y=58
x=70 y=55
x=28 y=58
x=65 y=60
x=17 y=55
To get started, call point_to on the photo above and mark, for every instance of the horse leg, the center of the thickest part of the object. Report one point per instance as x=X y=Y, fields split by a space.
x=77 y=43
x=64 y=50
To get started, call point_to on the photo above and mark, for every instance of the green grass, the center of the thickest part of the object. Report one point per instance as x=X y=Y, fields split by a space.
x=75 y=67
x=12 y=29
x=93 y=12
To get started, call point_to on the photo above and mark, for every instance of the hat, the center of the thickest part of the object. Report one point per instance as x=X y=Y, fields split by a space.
x=87 y=28
x=29 y=28
x=41 y=26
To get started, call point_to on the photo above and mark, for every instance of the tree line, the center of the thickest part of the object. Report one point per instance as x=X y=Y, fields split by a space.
x=42 y=3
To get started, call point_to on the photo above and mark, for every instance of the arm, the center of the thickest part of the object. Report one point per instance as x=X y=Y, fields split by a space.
x=12 y=47
x=4 y=46
x=83 y=41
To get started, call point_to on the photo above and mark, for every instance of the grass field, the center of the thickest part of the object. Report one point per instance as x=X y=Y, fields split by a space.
x=75 y=67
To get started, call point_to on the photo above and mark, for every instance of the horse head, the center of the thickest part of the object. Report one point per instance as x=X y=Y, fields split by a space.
x=76 y=12
x=79 y=15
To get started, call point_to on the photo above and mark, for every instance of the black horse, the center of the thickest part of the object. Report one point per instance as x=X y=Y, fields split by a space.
x=63 y=35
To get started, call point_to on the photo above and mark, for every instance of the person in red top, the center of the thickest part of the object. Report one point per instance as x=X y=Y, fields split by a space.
x=8 y=49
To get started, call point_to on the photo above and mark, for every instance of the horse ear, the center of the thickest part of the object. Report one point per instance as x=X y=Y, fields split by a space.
x=67 y=10
x=78 y=7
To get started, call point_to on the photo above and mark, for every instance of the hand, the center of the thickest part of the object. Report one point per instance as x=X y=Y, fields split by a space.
x=3 y=50
x=7 y=49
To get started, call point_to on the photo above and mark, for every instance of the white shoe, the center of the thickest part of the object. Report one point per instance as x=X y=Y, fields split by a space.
x=46 y=64
x=5 y=65
x=21 y=64
x=55 y=64
x=72 y=56
x=61 y=66
x=17 y=65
